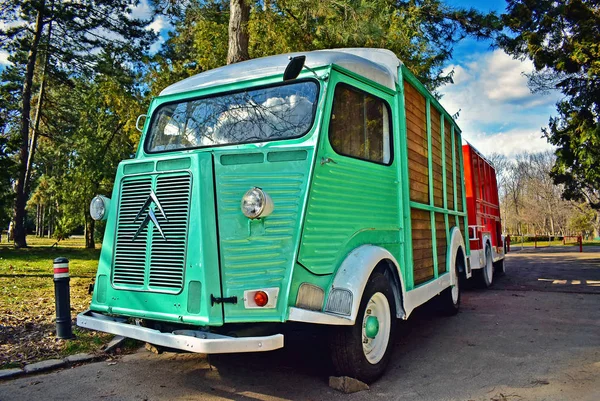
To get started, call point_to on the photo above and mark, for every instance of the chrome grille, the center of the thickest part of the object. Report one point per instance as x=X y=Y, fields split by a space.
x=130 y=256
x=150 y=262
x=167 y=261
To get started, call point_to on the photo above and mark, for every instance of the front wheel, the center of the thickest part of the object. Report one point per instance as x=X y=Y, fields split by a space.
x=362 y=351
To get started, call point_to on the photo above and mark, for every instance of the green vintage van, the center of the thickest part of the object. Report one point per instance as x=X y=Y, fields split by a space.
x=323 y=187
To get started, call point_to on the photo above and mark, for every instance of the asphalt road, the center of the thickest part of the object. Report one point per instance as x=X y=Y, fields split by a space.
x=535 y=336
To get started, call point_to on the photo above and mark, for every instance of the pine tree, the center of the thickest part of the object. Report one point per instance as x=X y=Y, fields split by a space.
x=561 y=37
x=69 y=34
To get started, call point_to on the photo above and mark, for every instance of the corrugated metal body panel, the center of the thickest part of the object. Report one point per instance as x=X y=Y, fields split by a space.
x=346 y=198
x=256 y=259
x=258 y=253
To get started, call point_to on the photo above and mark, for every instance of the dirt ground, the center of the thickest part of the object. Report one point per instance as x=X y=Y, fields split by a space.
x=534 y=336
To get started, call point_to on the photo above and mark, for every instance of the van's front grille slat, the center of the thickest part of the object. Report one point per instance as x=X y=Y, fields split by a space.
x=167 y=262
x=130 y=256
x=151 y=263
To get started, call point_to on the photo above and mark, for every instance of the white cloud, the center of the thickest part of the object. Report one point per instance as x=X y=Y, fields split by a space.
x=509 y=143
x=504 y=79
x=4 y=58
x=141 y=10
x=159 y=24
x=155 y=47
x=498 y=113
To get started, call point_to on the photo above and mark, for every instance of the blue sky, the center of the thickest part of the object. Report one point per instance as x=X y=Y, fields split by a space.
x=497 y=111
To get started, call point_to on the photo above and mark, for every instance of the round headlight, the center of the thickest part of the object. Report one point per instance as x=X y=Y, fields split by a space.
x=256 y=203
x=99 y=207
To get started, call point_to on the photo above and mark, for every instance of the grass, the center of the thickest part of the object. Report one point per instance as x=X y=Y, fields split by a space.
x=27 y=311
x=515 y=244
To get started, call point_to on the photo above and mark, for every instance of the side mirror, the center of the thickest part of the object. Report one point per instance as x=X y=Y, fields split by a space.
x=294 y=68
x=137 y=122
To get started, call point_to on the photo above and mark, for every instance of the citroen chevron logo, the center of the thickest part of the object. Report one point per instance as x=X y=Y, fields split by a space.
x=150 y=216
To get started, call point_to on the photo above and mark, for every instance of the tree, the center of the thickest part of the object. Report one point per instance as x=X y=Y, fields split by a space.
x=87 y=131
x=421 y=32
x=239 y=14
x=80 y=29
x=561 y=37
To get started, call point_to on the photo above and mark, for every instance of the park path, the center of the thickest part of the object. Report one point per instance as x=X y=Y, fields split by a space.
x=526 y=339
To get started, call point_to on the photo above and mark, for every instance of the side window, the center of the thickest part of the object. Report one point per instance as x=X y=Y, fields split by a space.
x=360 y=125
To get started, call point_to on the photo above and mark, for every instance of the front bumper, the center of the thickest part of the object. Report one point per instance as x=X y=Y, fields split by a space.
x=186 y=340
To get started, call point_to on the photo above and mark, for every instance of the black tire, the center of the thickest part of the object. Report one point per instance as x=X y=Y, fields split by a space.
x=447 y=304
x=499 y=268
x=346 y=342
x=485 y=277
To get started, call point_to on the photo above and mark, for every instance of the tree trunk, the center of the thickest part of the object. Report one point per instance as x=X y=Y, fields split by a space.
x=37 y=219
x=50 y=221
x=239 y=14
x=89 y=237
x=36 y=125
x=21 y=192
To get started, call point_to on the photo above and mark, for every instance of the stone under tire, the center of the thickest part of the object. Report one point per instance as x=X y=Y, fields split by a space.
x=346 y=342
x=485 y=276
x=449 y=300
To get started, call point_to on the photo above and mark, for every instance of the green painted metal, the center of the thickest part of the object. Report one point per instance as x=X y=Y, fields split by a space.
x=454 y=168
x=404 y=197
x=444 y=181
x=372 y=326
x=442 y=133
x=259 y=253
x=430 y=208
x=429 y=146
x=431 y=197
x=322 y=212
x=339 y=215
x=201 y=262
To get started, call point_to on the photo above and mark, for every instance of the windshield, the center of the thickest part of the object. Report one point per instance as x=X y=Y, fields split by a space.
x=253 y=115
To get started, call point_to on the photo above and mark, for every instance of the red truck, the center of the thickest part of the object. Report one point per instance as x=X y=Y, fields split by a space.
x=483 y=213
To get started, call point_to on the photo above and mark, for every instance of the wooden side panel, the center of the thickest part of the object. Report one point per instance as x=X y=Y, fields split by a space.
x=441 y=242
x=436 y=156
x=416 y=133
x=459 y=183
x=449 y=178
x=422 y=252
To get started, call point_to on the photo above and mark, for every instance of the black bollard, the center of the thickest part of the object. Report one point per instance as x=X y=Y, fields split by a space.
x=63 y=298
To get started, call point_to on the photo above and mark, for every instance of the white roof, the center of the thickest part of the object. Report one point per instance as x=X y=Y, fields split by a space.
x=379 y=65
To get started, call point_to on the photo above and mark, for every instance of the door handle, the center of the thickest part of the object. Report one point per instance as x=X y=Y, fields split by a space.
x=325 y=160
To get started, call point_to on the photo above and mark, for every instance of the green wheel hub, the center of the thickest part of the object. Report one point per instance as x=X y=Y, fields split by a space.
x=372 y=327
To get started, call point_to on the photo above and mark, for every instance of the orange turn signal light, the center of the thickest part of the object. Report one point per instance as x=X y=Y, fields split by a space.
x=261 y=298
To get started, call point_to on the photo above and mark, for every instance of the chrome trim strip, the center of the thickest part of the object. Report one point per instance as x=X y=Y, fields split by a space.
x=309 y=316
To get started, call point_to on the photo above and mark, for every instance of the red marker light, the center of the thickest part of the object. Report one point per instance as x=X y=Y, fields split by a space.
x=261 y=298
